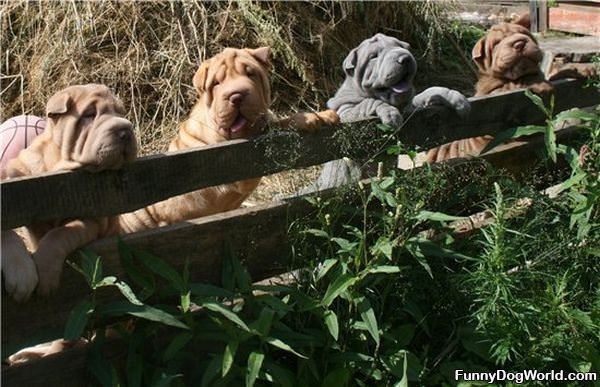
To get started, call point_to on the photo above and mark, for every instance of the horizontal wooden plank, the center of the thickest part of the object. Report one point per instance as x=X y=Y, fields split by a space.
x=258 y=233
x=150 y=179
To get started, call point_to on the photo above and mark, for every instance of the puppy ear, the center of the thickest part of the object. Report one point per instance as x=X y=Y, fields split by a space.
x=404 y=45
x=58 y=104
x=262 y=54
x=350 y=62
x=199 y=79
x=524 y=20
x=478 y=53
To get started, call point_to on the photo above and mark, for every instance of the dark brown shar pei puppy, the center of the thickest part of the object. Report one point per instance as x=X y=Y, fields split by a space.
x=234 y=95
x=508 y=57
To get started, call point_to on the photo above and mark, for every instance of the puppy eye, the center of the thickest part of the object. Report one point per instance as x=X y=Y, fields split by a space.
x=250 y=72
x=372 y=56
x=89 y=114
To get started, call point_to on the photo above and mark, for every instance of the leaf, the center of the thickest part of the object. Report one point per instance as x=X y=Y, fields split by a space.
x=255 y=361
x=550 y=141
x=275 y=303
x=281 y=375
x=511 y=133
x=240 y=274
x=228 y=357
x=162 y=269
x=384 y=269
x=573 y=180
x=404 y=381
x=345 y=245
x=384 y=246
x=262 y=325
x=228 y=314
x=78 y=319
x=331 y=322
x=341 y=283
x=178 y=343
x=318 y=233
x=165 y=380
x=537 y=100
x=185 y=302
x=413 y=309
x=211 y=371
x=142 y=311
x=324 y=267
x=99 y=366
x=437 y=216
x=415 y=250
x=138 y=274
x=91 y=267
x=338 y=378
x=127 y=292
x=574 y=114
x=281 y=345
x=368 y=316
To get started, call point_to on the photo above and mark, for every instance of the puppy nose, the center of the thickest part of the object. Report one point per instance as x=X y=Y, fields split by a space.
x=236 y=98
x=124 y=135
x=519 y=44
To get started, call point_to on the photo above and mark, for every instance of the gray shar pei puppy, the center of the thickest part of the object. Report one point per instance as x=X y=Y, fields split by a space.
x=379 y=74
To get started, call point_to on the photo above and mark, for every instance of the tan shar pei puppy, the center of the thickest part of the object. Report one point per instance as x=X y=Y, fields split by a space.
x=508 y=58
x=86 y=129
x=234 y=95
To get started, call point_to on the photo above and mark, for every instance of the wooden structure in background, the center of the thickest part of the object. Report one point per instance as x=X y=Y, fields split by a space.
x=579 y=17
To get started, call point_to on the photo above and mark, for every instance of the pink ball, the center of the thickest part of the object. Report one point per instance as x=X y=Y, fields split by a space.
x=16 y=134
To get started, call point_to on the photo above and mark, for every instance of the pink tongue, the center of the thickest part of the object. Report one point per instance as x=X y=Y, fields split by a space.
x=400 y=87
x=238 y=124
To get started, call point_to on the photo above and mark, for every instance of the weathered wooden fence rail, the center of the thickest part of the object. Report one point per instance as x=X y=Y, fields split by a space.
x=260 y=231
x=153 y=178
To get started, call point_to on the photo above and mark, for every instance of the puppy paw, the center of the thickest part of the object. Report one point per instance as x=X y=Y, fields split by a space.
x=19 y=270
x=311 y=122
x=542 y=88
x=42 y=350
x=459 y=102
x=389 y=115
x=442 y=96
x=20 y=278
x=575 y=70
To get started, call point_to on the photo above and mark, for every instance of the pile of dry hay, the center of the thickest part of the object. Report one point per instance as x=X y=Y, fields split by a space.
x=148 y=51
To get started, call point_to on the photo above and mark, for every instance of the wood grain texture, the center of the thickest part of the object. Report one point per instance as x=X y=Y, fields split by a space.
x=150 y=179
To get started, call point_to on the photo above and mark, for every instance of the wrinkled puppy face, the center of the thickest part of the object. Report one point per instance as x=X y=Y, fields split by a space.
x=383 y=68
x=234 y=86
x=508 y=51
x=88 y=124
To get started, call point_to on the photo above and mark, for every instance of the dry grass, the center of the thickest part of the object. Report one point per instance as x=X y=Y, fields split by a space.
x=148 y=51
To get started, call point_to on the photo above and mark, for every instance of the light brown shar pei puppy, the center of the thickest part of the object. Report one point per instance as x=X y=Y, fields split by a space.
x=234 y=95
x=508 y=58
x=86 y=129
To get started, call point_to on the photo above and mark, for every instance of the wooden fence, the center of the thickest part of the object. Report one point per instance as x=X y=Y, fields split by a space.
x=261 y=231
